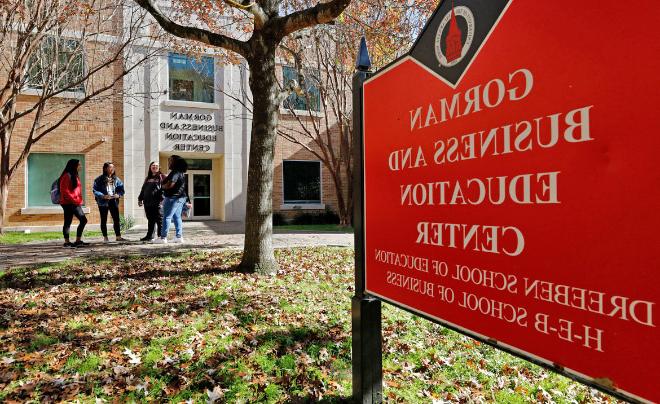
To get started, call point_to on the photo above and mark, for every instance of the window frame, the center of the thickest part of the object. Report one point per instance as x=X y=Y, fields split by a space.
x=30 y=88
x=314 y=73
x=318 y=202
x=169 y=56
x=27 y=179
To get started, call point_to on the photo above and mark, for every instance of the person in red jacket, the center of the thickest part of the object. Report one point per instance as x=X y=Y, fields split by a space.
x=71 y=200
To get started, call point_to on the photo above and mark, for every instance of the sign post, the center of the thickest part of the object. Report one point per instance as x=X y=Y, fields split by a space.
x=366 y=321
x=509 y=184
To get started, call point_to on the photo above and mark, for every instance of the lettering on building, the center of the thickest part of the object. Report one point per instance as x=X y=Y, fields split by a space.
x=191 y=132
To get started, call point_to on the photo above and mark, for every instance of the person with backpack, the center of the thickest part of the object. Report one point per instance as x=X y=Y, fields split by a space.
x=151 y=197
x=108 y=188
x=71 y=200
x=174 y=190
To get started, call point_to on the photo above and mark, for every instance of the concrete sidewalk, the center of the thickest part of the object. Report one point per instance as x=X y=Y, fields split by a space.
x=198 y=236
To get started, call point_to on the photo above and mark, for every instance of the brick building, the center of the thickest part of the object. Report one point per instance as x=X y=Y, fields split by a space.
x=194 y=107
x=91 y=141
x=201 y=111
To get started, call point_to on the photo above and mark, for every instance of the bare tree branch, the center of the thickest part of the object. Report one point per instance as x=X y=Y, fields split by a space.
x=260 y=17
x=322 y=13
x=192 y=33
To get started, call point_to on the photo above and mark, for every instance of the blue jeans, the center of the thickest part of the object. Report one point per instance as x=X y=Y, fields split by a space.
x=172 y=208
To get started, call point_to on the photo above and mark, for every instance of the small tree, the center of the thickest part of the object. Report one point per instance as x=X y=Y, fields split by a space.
x=57 y=58
x=323 y=88
x=254 y=30
x=324 y=126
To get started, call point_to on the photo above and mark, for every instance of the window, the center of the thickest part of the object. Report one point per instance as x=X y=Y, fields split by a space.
x=42 y=170
x=302 y=181
x=199 y=164
x=191 y=79
x=299 y=102
x=57 y=65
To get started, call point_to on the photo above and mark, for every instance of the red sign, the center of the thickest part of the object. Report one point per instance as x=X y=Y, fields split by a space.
x=512 y=188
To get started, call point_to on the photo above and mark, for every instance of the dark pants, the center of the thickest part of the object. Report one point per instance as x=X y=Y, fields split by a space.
x=154 y=218
x=69 y=212
x=113 y=208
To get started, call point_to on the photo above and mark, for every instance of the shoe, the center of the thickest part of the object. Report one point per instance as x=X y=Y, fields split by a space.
x=68 y=245
x=160 y=241
x=121 y=239
x=146 y=239
x=80 y=244
x=178 y=240
x=105 y=240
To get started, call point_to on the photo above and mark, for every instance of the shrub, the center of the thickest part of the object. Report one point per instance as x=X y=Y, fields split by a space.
x=330 y=217
x=278 y=219
x=327 y=217
x=126 y=222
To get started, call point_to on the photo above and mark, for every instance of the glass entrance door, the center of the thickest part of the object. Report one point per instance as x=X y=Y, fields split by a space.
x=199 y=191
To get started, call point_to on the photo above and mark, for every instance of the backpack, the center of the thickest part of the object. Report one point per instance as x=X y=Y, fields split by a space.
x=55 y=192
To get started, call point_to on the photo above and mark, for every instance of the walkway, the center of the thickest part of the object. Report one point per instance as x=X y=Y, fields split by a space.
x=198 y=236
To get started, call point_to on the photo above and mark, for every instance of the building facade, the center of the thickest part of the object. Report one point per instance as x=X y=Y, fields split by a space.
x=194 y=107
x=91 y=141
x=185 y=112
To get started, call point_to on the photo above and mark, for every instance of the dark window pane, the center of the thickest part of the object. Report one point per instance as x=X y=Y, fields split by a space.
x=202 y=207
x=191 y=79
x=201 y=185
x=302 y=181
x=183 y=90
x=199 y=164
x=311 y=100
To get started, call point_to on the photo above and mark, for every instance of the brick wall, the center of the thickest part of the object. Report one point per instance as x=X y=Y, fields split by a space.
x=287 y=150
x=95 y=130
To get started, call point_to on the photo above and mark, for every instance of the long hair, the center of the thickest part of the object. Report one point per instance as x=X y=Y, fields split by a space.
x=72 y=169
x=149 y=175
x=179 y=164
x=105 y=167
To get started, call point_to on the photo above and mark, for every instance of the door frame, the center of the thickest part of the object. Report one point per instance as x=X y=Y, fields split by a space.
x=189 y=185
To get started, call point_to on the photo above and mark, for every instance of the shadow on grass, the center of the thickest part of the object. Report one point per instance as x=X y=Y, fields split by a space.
x=30 y=277
x=26 y=255
x=331 y=399
x=287 y=375
x=218 y=370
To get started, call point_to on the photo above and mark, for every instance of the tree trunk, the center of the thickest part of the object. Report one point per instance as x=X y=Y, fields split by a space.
x=349 y=192
x=4 y=195
x=344 y=214
x=258 y=255
x=4 y=177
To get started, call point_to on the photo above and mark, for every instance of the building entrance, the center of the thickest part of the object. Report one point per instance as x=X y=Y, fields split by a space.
x=200 y=191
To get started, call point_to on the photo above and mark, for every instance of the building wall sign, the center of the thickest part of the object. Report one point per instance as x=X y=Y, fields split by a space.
x=512 y=183
x=190 y=132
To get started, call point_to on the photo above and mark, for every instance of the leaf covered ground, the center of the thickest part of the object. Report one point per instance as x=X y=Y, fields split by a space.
x=22 y=238
x=190 y=328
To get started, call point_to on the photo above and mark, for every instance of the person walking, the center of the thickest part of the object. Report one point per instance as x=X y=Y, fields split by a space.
x=151 y=197
x=71 y=200
x=108 y=188
x=174 y=190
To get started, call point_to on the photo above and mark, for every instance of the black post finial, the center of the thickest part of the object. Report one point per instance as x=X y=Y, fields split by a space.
x=363 y=59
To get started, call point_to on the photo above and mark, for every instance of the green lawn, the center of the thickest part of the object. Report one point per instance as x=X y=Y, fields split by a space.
x=21 y=238
x=185 y=327
x=315 y=227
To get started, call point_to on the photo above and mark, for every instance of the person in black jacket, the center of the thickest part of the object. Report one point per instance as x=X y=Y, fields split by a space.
x=151 y=197
x=108 y=188
x=175 y=196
